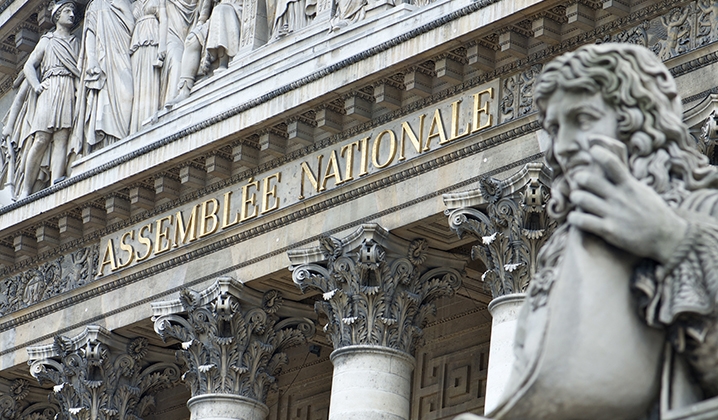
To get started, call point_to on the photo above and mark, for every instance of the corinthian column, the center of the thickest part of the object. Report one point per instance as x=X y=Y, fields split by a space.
x=509 y=220
x=99 y=375
x=378 y=290
x=233 y=347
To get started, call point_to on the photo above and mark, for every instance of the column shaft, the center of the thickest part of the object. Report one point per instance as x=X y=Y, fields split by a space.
x=370 y=383
x=226 y=407
x=505 y=313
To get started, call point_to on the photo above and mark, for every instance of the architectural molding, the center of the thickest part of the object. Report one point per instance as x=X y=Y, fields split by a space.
x=378 y=289
x=230 y=346
x=510 y=228
x=150 y=271
x=98 y=374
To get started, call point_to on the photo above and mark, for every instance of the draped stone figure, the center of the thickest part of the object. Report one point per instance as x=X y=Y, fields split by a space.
x=38 y=125
x=146 y=62
x=215 y=38
x=348 y=11
x=291 y=15
x=105 y=97
x=177 y=17
x=624 y=300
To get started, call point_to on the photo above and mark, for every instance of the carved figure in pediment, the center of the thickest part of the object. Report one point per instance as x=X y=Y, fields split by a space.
x=106 y=88
x=214 y=40
x=146 y=62
x=177 y=18
x=626 y=293
x=291 y=15
x=38 y=126
x=348 y=11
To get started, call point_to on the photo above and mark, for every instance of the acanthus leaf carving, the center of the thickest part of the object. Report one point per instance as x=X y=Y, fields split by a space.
x=100 y=376
x=229 y=346
x=510 y=230
x=374 y=293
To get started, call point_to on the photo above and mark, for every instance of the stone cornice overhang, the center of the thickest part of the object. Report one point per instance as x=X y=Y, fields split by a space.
x=72 y=192
x=190 y=135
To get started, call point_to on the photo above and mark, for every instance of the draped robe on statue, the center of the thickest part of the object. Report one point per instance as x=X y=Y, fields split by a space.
x=105 y=101
x=181 y=16
x=52 y=110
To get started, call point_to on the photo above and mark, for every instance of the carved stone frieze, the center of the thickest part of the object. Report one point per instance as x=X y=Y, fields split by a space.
x=100 y=376
x=517 y=93
x=19 y=400
x=509 y=220
x=377 y=289
x=230 y=345
x=52 y=278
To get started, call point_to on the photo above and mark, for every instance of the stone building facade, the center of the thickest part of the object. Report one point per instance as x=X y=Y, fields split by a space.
x=319 y=226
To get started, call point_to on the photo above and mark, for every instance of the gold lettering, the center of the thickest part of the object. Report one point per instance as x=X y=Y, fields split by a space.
x=438 y=126
x=226 y=211
x=377 y=145
x=207 y=216
x=482 y=109
x=163 y=233
x=349 y=159
x=181 y=232
x=416 y=141
x=127 y=248
x=364 y=162
x=267 y=192
x=310 y=175
x=146 y=241
x=108 y=258
x=332 y=166
x=247 y=200
x=455 y=115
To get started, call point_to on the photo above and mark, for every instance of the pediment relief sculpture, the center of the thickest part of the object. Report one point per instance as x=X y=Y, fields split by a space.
x=621 y=319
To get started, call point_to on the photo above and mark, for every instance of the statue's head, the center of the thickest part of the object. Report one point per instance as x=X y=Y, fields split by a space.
x=64 y=10
x=624 y=92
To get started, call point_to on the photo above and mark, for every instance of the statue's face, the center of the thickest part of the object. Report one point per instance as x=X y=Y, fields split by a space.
x=574 y=119
x=67 y=16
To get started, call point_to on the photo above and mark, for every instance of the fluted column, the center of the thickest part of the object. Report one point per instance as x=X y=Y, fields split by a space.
x=378 y=291
x=509 y=220
x=99 y=375
x=232 y=347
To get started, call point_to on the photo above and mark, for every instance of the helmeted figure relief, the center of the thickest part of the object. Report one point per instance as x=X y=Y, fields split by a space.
x=624 y=300
x=291 y=15
x=177 y=18
x=146 y=62
x=215 y=38
x=38 y=125
x=106 y=91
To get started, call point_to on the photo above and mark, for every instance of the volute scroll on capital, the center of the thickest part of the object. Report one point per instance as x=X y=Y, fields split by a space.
x=378 y=289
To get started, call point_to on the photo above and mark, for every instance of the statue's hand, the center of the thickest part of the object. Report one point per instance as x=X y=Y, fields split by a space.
x=42 y=87
x=625 y=212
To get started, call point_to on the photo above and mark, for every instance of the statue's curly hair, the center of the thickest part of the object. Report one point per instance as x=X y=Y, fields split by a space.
x=640 y=88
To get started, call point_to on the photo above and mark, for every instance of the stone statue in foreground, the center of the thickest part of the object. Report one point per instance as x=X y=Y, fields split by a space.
x=623 y=304
x=37 y=128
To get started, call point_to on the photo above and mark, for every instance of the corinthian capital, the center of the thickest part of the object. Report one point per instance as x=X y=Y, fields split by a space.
x=232 y=342
x=378 y=289
x=99 y=375
x=510 y=222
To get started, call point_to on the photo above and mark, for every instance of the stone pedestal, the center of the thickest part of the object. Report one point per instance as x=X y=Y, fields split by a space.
x=370 y=383
x=226 y=407
x=505 y=312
